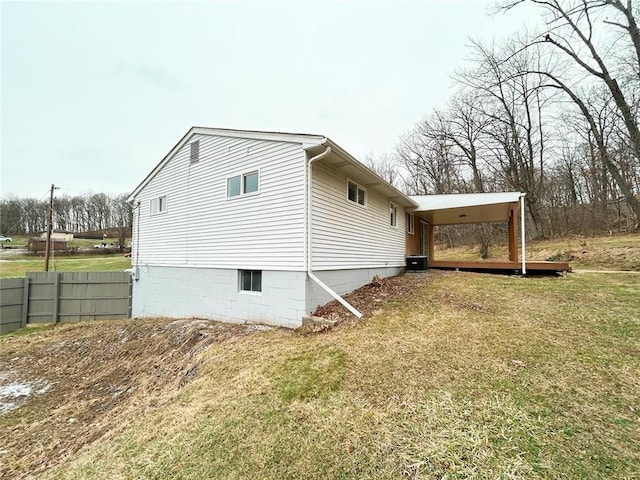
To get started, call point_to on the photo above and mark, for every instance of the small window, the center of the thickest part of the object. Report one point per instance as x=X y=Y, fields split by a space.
x=393 y=215
x=251 y=280
x=250 y=182
x=410 y=222
x=243 y=184
x=158 y=205
x=233 y=186
x=355 y=193
x=195 y=151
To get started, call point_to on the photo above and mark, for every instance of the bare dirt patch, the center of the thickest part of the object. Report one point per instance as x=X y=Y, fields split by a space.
x=75 y=383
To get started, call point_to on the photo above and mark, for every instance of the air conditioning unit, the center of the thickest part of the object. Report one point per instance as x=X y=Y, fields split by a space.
x=416 y=263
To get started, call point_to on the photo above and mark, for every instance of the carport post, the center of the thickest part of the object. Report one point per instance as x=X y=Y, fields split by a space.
x=512 y=227
x=522 y=233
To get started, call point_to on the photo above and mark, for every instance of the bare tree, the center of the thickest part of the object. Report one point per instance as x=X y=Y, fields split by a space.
x=463 y=124
x=384 y=165
x=516 y=107
x=586 y=34
x=429 y=158
x=77 y=213
x=11 y=221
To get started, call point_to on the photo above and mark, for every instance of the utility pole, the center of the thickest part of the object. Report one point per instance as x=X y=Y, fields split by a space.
x=49 y=228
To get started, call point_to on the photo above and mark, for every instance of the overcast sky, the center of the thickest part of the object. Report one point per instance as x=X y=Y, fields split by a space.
x=94 y=94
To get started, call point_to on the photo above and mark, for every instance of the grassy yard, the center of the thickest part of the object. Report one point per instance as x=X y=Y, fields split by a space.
x=614 y=252
x=12 y=265
x=18 y=267
x=475 y=376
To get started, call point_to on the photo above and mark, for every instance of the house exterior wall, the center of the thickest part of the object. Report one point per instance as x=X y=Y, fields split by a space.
x=214 y=294
x=350 y=236
x=58 y=236
x=187 y=257
x=201 y=227
x=66 y=237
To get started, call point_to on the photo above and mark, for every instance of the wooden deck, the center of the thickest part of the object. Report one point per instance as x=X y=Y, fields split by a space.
x=502 y=266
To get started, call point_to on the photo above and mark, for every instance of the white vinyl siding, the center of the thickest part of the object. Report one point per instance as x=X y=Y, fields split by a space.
x=345 y=235
x=204 y=229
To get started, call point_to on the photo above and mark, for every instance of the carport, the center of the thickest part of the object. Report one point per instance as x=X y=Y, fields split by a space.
x=470 y=208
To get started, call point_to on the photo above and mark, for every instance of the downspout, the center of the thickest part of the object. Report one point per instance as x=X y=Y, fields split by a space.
x=137 y=253
x=324 y=286
x=522 y=234
x=136 y=267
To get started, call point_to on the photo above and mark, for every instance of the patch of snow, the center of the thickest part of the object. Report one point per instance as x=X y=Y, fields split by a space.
x=14 y=393
x=43 y=390
x=15 y=389
x=258 y=328
x=7 y=407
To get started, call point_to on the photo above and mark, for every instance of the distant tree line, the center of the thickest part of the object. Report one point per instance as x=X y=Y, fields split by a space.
x=552 y=113
x=78 y=213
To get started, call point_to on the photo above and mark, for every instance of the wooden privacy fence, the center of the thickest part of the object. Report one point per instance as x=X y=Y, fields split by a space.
x=52 y=297
x=12 y=301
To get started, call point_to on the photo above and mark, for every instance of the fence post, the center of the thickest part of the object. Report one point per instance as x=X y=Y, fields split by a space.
x=25 y=302
x=130 y=308
x=56 y=296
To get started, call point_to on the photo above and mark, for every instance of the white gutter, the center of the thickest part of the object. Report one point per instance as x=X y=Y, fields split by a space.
x=324 y=286
x=522 y=233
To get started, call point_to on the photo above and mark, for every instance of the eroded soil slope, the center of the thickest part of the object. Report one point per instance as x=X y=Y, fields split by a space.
x=68 y=386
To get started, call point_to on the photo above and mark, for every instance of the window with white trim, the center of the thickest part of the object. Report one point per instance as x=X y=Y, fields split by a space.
x=356 y=193
x=158 y=205
x=393 y=215
x=410 y=223
x=250 y=280
x=243 y=184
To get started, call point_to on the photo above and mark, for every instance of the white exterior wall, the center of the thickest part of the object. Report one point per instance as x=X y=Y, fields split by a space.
x=203 y=228
x=214 y=294
x=188 y=257
x=347 y=235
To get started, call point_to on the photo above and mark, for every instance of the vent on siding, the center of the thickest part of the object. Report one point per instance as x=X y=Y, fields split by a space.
x=195 y=151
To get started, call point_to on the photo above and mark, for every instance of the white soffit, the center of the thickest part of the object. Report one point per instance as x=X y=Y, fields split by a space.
x=355 y=170
x=455 y=209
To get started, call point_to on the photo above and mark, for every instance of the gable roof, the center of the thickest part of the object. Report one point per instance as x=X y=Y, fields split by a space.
x=305 y=139
x=459 y=208
x=312 y=143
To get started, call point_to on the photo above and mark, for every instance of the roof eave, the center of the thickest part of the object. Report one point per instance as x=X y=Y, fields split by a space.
x=392 y=192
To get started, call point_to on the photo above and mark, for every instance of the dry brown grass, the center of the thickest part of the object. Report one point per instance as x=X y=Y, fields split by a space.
x=614 y=252
x=468 y=376
x=98 y=374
